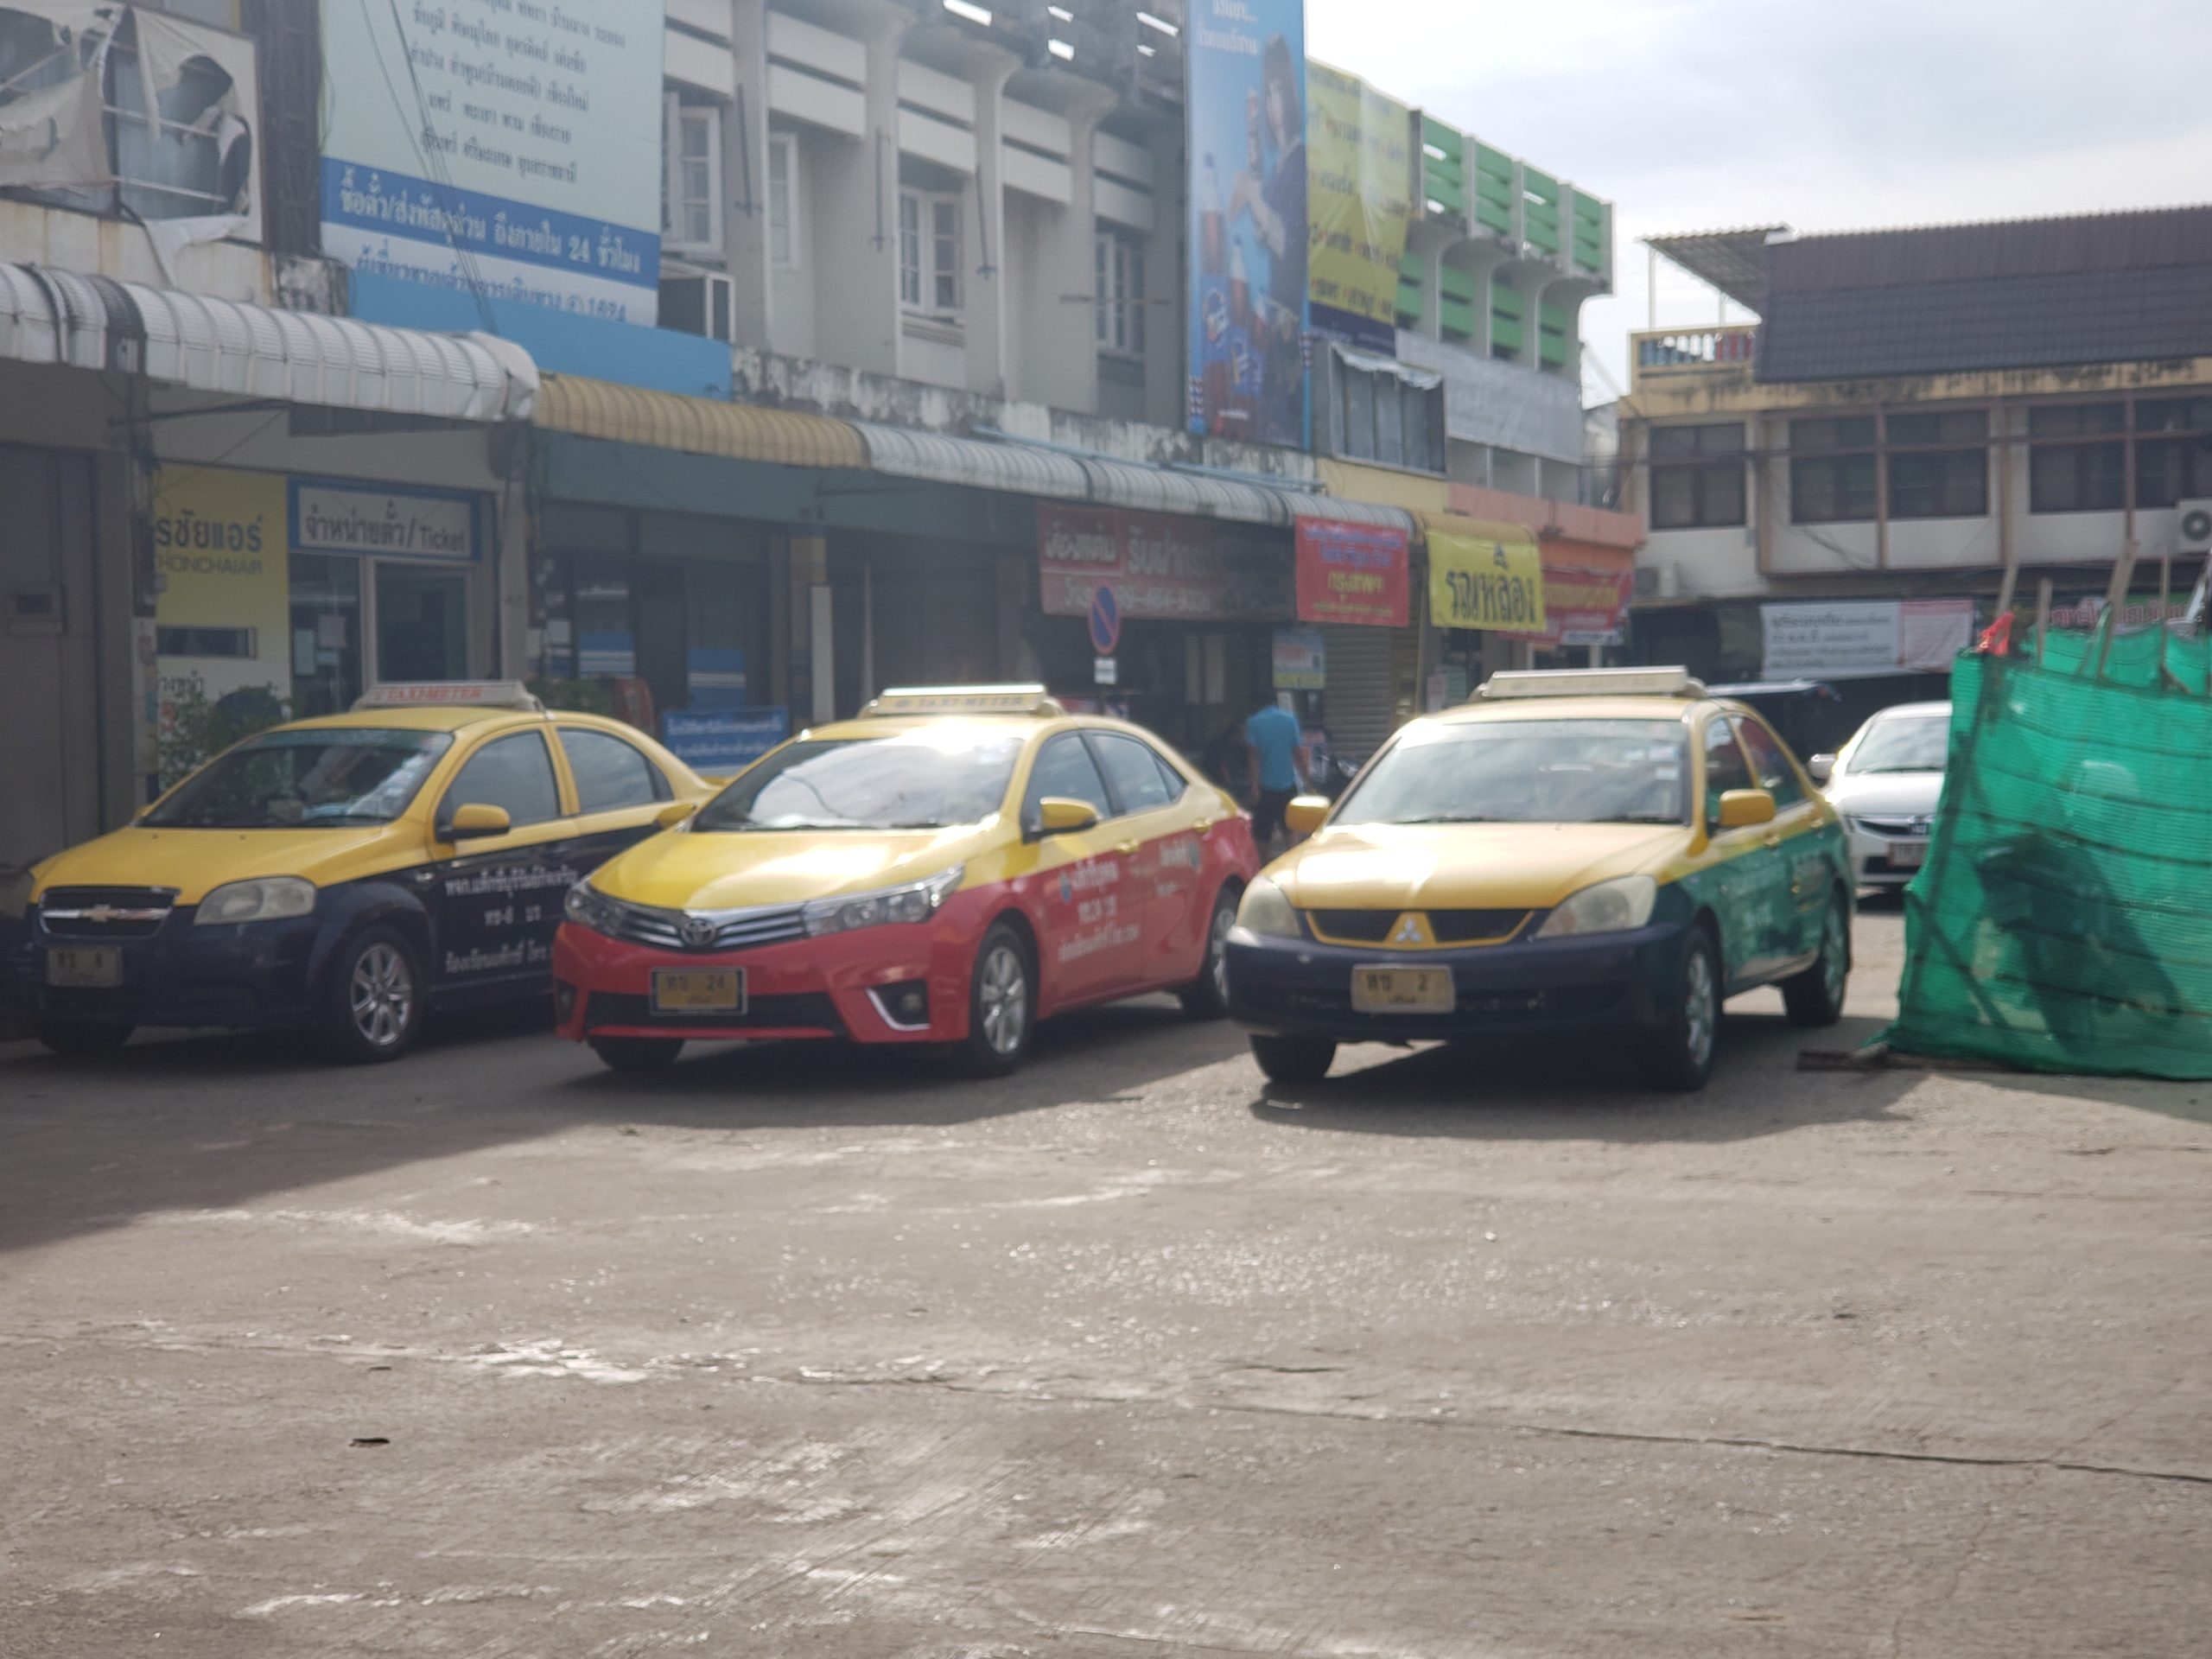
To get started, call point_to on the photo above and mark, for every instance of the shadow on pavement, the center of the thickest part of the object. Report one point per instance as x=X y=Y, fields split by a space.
x=217 y=1122
x=1591 y=1091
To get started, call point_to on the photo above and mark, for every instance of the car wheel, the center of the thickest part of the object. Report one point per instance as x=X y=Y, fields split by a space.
x=1295 y=1059
x=372 y=1001
x=1815 y=996
x=1206 y=997
x=1679 y=1055
x=1002 y=1004
x=637 y=1054
x=70 y=1037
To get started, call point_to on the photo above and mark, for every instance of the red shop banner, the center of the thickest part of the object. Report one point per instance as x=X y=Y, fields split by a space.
x=1585 y=605
x=1356 y=574
x=1161 y=568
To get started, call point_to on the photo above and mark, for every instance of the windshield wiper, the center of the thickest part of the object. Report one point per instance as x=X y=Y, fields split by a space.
x=1457 y=818
x=918 y=823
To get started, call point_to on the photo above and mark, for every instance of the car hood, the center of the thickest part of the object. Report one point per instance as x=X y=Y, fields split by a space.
x=689 y=869
x=1467 y=866
x=196 y=862
x=1890 y=794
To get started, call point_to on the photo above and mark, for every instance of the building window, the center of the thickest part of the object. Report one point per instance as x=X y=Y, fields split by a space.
x=1386 y=417
x=1930 y=480
x=928 y=252
x=691 y=190
x=783 y=200
x=2173 y=451
x=1697 y=476
x=1118 y=268
x=2086 y=470
x=1832 y=480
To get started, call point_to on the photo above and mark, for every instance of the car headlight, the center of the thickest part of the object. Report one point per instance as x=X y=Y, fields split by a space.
x=1616 y=906
x=271 y=899
x=1266 y=909
x=587 y=906
x=915 y=902
x=15 y=888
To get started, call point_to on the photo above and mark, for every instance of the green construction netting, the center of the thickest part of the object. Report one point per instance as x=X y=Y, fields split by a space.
x=2063 y=921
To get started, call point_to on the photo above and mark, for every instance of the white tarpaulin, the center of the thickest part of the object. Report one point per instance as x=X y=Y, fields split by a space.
x=51 y=66
x=1857 y=638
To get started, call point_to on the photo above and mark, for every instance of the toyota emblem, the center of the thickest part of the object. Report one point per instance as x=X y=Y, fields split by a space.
x=697 y=932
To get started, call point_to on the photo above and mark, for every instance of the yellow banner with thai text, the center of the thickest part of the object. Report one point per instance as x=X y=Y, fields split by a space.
x=1495 y=583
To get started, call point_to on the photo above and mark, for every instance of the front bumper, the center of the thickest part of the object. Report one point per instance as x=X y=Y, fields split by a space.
x=802 y=988
x=1614 y=982
x=244 y=977
x=1871 y=863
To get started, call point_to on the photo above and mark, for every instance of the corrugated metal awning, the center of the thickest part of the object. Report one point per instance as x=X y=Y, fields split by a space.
x=699 y=426
x=1198 y=495
x=1350 y=512
x=1020 y=468
x=228 y=347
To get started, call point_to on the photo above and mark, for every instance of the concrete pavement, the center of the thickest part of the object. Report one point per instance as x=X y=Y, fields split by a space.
x=803 y=1352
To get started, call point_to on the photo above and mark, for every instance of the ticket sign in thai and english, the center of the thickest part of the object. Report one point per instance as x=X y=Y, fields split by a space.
x=510 y=147
x=1352 y=574
x=1494 y=583
x=1160 y=569
x=331 y=517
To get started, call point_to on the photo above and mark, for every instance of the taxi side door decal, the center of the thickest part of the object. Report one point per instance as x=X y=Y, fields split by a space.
x=497 y=902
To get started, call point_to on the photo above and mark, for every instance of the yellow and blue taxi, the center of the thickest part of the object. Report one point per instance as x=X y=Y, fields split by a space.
x=944 y=871
x=1606 y=851
x=347 y=873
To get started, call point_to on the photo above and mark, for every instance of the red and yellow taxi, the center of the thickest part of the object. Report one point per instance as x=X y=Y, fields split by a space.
x=947 y=869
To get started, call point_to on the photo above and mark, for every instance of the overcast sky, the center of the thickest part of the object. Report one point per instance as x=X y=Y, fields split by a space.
x=1697 y=115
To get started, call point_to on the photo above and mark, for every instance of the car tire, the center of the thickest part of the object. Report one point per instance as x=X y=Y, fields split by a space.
x=74 y=1038
x=1002 y=1004
x=1679 y=1055
x=1293 y=1059
x=636 y=1054
x=1815 y=996
x=373 y=998
x=1206 y=997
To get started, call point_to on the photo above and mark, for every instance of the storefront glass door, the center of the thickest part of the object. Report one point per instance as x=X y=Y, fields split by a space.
x=422 y=623
x=325 y=638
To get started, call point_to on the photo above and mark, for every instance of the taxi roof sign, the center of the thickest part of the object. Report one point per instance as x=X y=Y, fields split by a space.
x=962 y=700
x=452 y=694
x=1591 y=682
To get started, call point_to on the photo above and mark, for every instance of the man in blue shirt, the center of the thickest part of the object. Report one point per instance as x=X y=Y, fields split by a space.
x=1278 y=746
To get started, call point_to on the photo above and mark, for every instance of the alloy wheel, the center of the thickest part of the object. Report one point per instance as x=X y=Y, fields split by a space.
x=1225 y=918
x=1700 y=1007
x=1003 y=991
x=382 y=995
x=1835 y=957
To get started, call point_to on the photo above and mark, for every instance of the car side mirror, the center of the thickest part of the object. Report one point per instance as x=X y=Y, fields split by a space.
x=1305 y=814
x=674 y=813
x=1742 y=808
x=1057 y=815
x=1822 y=767
x=477 y=822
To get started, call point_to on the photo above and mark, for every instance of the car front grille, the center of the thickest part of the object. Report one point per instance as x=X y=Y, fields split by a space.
x=105 y=913
x=734 y=930
x=807 y=1010
x=1446 y=926
x=1893 y=829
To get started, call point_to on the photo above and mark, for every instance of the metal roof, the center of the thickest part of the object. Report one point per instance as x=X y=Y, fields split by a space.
x=251 y=351
x=1733 y=261
x=699 y=426
x=1161 y=489
x=1019 y=467
x=1303 y=505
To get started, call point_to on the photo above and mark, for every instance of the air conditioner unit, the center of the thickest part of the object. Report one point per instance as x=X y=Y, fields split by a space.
x=1657 y=582
x=704 y=303
x=2193 y=526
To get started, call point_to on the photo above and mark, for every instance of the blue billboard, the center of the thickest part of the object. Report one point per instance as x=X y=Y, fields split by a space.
x=1246 y=104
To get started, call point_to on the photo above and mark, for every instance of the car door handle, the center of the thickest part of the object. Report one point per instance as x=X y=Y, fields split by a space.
x=1774 y=841
x=1126 y=848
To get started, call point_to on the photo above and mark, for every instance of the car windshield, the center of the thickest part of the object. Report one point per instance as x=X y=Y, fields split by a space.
x=1528 y=772
x=290 y=779
x=1917 y=743
x=925 y=779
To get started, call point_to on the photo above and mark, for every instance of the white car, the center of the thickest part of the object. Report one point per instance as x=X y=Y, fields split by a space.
x=1886 y=783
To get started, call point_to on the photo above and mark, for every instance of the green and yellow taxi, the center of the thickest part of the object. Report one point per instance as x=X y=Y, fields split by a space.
x=345 y=875
x=1609 y=851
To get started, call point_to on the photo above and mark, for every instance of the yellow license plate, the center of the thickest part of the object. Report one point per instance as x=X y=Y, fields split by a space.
x=98 y=965
x=1401 y=990
x=698 y=990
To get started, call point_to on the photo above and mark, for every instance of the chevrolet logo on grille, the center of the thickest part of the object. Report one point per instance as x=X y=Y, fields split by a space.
x=1412 y=931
